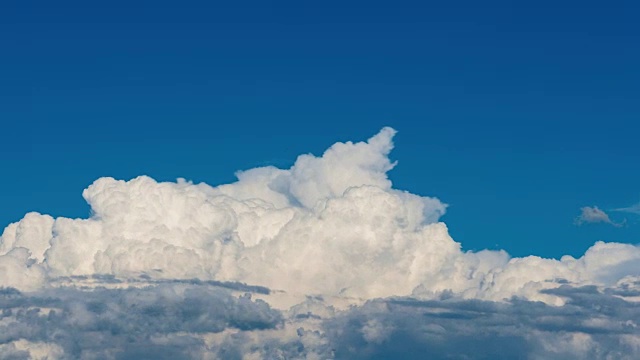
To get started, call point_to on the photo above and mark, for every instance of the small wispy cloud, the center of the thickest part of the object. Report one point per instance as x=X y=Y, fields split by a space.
x=592 y=215
x=634 y=209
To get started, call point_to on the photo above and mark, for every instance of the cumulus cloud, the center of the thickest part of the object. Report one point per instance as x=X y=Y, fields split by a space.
x=333 y=259
x=591 y=215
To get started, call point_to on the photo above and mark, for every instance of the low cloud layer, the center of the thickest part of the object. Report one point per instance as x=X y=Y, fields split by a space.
x=204 y=321
x=591 y=325
x=177 y=258
x=164 y=321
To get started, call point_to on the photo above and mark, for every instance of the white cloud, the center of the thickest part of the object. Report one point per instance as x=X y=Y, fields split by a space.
x=327 y=233
x=634 y=209
x=591 y=215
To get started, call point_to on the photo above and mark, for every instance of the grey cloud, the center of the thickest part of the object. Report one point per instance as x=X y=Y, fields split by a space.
x=124 y=323
x=179 y=321
x=591 y=325
x=145 y=279
x=590 y=215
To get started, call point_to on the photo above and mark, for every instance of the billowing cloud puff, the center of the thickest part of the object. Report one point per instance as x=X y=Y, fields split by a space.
x=331 y=231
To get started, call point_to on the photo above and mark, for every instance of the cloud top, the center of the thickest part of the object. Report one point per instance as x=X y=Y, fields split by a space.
x=330 y=225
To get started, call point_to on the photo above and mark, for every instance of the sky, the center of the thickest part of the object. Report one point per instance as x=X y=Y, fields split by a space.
x=516 y=115
x=431 y=132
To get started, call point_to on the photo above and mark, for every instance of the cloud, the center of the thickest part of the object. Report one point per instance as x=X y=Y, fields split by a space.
x=592 y=215
x=165 y=321
x=454 y=328
x=333 y=257
x=634 y=209
x=187 y=321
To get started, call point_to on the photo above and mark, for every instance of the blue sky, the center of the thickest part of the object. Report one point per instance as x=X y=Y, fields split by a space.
x=517 y=116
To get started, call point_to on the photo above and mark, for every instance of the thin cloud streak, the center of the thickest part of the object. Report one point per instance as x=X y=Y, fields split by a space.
x=633 y=209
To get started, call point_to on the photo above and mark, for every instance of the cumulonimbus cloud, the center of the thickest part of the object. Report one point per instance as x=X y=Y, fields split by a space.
x=331 y=228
